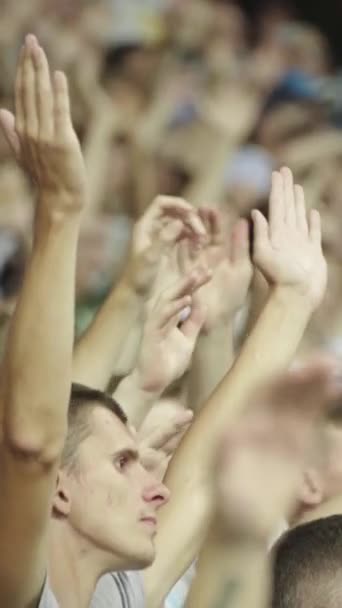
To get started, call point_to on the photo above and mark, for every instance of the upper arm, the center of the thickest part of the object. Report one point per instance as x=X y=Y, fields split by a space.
x=26 y=490
x=181 y=532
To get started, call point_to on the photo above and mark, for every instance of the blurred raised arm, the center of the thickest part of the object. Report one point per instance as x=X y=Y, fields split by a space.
x=257 y=478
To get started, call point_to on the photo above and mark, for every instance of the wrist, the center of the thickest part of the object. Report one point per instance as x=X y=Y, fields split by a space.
x=291 y=297
x=127 y=287
x=221 y=328
x=58 y=205
x=142 y=386
x=47 y=221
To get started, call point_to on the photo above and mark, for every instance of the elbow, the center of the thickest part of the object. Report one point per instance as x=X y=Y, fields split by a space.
x=33 y=443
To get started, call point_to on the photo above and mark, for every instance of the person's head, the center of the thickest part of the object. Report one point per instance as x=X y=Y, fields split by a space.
x=322 y=481
x=307 y=566
x=104 y=495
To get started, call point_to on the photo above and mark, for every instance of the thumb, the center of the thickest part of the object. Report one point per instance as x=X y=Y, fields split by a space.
x=261 y=238
x=7 y=122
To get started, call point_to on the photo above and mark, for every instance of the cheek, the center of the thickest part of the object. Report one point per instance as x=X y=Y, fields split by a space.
x=107 y=487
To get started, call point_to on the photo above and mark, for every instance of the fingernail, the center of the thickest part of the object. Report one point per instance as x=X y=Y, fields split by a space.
x=184 y=314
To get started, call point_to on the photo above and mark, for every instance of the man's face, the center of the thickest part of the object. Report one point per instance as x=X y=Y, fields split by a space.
x=114 y=500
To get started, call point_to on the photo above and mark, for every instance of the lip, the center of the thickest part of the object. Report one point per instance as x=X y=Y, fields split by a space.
x=151 y=521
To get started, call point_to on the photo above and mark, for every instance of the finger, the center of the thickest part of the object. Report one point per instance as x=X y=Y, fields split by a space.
x=172 y=232
x=240 y=242
x=187 y=253
x=162 y=434
x=18 y=97
x=170 y=313
x=29 y=89
x=179 y=208
x=261 y=237
x=44 y=94
x=301 y=219
x=276 y=206
x=315 y=228
x=185 y=314
x=190 y=283
x=62 y=116
x=171 y=446
x=193 y=325
x=290 y=208
x=203 y=214
x=212 y=220
x=7 y=122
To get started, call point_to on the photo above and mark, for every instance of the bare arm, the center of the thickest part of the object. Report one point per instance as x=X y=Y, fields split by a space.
x=101 y=345
x=36 y=374
x=166 y=348
x=280 y=251
x=228 y=257
x=231 y=574
x=255 y=487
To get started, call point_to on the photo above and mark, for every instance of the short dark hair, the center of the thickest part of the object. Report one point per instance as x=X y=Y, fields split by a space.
x=83 y=399
x=307 y=567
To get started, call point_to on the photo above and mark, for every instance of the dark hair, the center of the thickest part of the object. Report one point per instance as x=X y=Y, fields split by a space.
x=307 y=570
x=82 y=401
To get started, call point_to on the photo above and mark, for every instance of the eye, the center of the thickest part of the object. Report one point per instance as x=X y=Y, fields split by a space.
x=121 y=462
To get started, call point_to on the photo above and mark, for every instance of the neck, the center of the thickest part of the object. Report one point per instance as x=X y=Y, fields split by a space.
x=74 y=566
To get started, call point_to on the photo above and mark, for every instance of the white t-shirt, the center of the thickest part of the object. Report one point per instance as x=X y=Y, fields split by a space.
x=117 y=590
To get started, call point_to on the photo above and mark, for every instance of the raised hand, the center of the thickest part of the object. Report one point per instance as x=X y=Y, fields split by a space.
x=287 y=248
x=167 y=220
x=160 y=434
x=264 y=455
x=41 y=134
x=168 y=342
x=227 y=256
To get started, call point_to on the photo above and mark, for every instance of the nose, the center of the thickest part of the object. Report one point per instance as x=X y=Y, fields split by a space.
x=156 y=493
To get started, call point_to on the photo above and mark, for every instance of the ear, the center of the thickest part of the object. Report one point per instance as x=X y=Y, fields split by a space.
x=311 y=492
x=62 y=499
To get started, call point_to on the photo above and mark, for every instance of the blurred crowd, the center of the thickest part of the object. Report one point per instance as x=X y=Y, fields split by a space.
x=186 y=98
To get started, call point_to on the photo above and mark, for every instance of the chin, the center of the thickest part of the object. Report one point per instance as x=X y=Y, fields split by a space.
x=144 y=560
x=141 y=556
x=144 y=555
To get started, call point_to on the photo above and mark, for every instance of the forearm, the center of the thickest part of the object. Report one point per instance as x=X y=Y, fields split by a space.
x=259 y=295
x=269 y=348
x=135 y=401
x=96 y=152
x=102 y=344
x=37 y=365
x=230 y=575
x=213 y=357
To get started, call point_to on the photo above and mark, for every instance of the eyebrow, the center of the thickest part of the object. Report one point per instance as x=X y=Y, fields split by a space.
x=131 y=453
